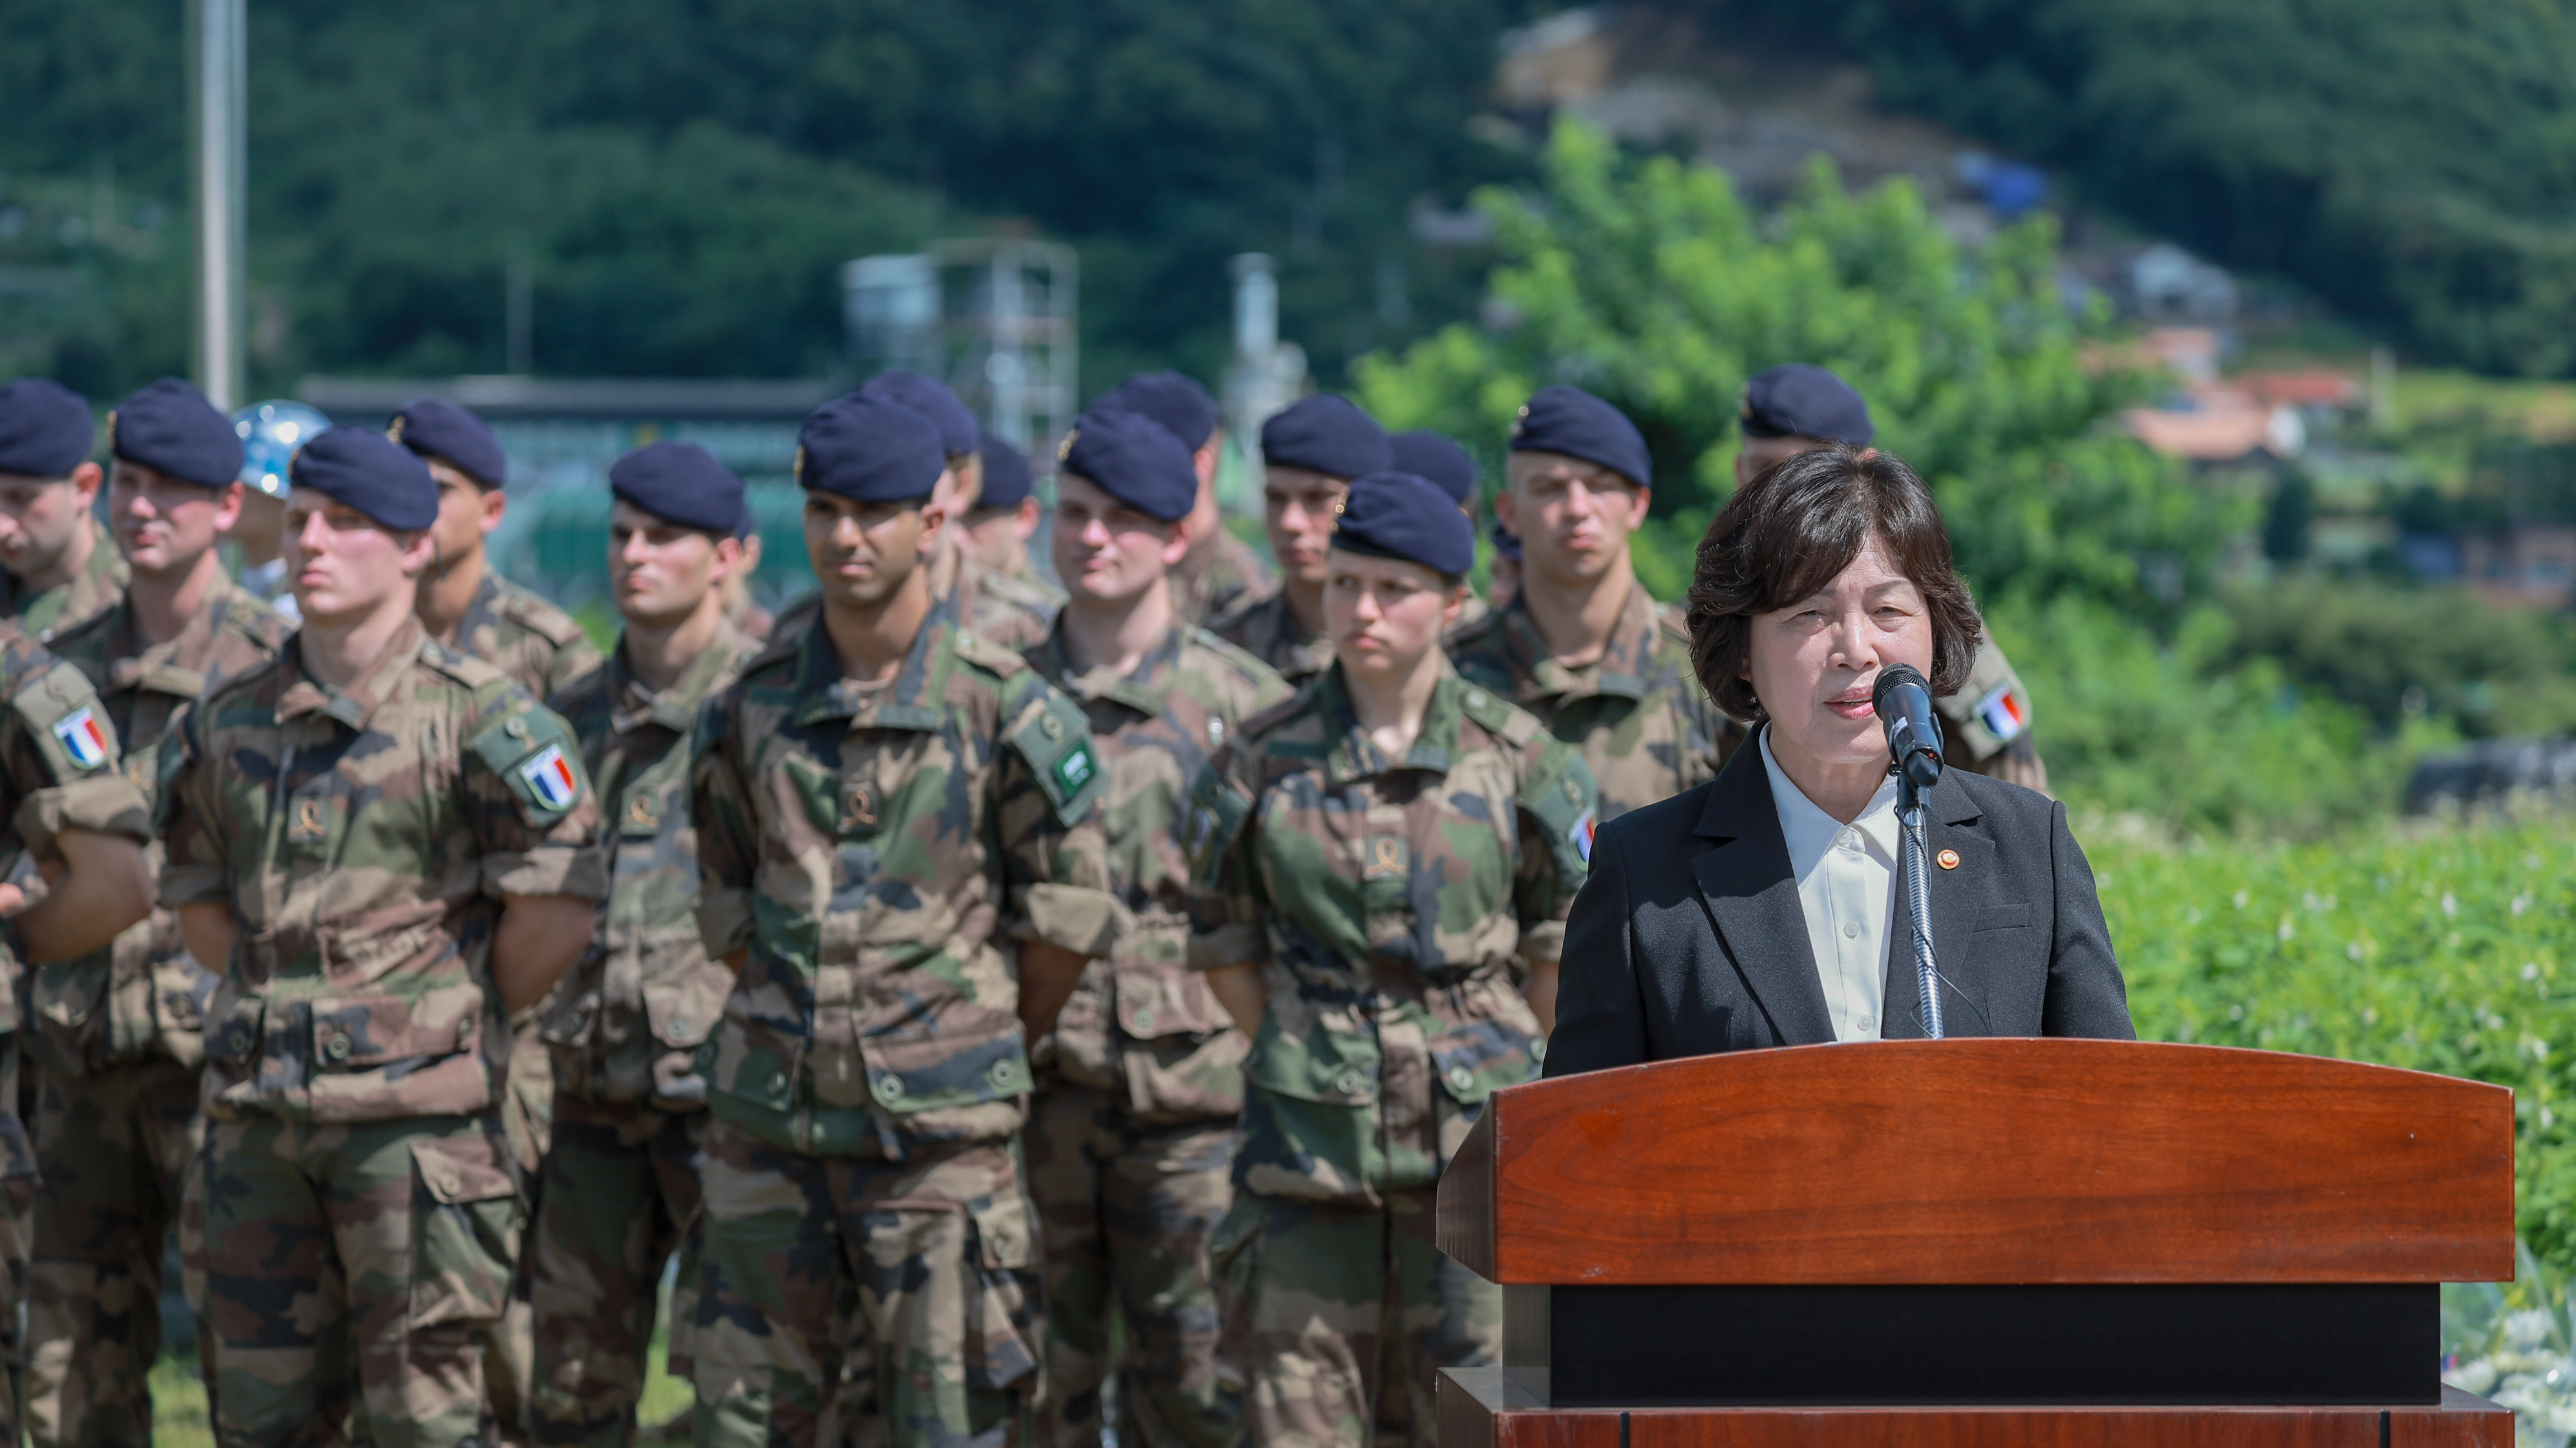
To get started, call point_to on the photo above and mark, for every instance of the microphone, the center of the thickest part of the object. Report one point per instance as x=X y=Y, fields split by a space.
x=1903 y=701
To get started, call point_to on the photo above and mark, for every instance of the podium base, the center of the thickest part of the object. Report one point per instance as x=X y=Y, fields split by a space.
x=1485 y=1408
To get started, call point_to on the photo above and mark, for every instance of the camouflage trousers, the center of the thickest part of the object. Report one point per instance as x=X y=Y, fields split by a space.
x=352 y=1272
x=887 y=1304
x=527 y=1117
x=1337 y=1320
x=115 y=1148
x=1126 y=1208
x=620 y=1196
x=18 y=1182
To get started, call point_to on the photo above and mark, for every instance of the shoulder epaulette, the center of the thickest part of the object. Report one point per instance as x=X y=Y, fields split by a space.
x=1240 y=658
x=982 y=652
x=533 y=613
x=461 y=666
x=1274 y=716
x=1501 y=717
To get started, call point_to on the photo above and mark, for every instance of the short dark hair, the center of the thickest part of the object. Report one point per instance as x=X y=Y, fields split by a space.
x=1788 y=532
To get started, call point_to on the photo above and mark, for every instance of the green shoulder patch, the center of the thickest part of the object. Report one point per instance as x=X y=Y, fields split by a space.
x=62 y=714
x=1056 y=741
x=1561 y=795
x=1215 y=816
x=534 y=754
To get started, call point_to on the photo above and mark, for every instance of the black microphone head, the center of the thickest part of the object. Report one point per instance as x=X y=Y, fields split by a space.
x=1892 y=675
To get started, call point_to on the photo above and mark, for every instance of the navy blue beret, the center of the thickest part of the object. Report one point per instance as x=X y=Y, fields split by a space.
x=1506 y=542
x=1326 y=433
x=1398 y=515
x=1804 y=400
x=437 y=428
x=45 y=428
x=1173 y=399
x=680 y=483
x=958 y=432
x=871 y=449
x=1429 y=455
x=170 y=427
x=1134 y=459
x=1006 y=474
x=1573 y=422
x=366 y=471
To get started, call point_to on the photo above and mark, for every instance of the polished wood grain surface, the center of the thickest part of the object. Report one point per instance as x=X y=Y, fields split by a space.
x=1988 y=1161
x=1477 y=1410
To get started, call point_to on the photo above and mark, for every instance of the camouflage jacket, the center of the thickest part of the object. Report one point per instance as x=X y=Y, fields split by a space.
x=1268 y=630
x=1644 y=725
x=1143 y=1026
x=363 y=838
x=92 y=591
x=1219 y=575
x=874 y=850
x=1008 y=611
x=537 y=644
x=59 y=770
x=627 y=1023
x=145 y=995
x=1386 y=904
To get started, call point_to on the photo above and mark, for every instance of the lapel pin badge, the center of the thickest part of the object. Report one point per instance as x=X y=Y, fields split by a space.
x=1947 y=859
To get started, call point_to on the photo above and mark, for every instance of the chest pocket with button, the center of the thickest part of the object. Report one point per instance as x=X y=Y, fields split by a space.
x=1310 y=1121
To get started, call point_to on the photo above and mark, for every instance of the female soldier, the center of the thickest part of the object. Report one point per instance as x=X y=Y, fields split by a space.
x=1369 y=860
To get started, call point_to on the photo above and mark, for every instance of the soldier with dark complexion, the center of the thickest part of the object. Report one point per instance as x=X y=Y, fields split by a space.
x=899 y=859
x=390 y=846
x=60 y=568
x=1370 y=864
x=120 y=1032
x=1309 y=454
x=621 y=1178
x=1131 y=1141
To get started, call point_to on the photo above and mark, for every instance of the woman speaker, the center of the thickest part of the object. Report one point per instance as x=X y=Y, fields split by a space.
x=1764 y=907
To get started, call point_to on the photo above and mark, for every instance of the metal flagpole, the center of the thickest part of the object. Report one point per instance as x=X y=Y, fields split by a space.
x=219 y=69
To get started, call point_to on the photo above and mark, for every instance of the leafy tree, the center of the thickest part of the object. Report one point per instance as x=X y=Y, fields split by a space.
x=1649 y=282
x=2409 y=160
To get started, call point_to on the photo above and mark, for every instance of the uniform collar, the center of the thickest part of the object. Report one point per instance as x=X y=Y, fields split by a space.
x=357 y=703
x=1355 y=756
x=172 y=666
x=1620 y=672
x=632 y=703
x=910 y=702
x=1144 y=691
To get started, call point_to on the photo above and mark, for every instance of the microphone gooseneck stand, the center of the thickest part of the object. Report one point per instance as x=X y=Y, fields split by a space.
x=1909 y=862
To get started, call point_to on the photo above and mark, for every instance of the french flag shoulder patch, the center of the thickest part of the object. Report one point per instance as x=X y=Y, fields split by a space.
x=83 y=738
x=550 y=778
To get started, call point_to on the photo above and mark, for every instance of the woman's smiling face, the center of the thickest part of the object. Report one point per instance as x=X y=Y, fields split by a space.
x=1814 y=663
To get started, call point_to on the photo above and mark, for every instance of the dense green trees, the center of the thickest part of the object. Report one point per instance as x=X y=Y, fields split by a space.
x=687 y=173
x=2412 y=160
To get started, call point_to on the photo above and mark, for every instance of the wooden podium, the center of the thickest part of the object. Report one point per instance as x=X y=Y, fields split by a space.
x=1988 y=1242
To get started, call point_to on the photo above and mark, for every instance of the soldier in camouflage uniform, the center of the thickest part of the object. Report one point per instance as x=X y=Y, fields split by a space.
x=886 y=805
x=1799 y=407
x=1131 y=1140
x=65 y=801
x=469 y=608
x=120 y=1032
x=56 y=566
x=1365 y=879
x=1005 y=611
x=1582 y=644
x=1003 y=520
x=621 y=1182
x=1309 y=455
x=1222 y=573
x=390 y=846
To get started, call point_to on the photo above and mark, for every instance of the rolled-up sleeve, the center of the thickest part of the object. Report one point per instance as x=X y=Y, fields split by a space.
x=106 y=804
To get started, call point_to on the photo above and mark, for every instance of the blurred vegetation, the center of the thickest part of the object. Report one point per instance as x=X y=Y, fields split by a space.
x=2410 y=161
x=688 y=176
x=2180 y=674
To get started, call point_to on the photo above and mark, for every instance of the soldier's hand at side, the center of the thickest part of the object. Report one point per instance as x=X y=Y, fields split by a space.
x=539 y=938
x=1048 y=974
x=1540 y=992
x=105 y=887
x=1244 y=993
